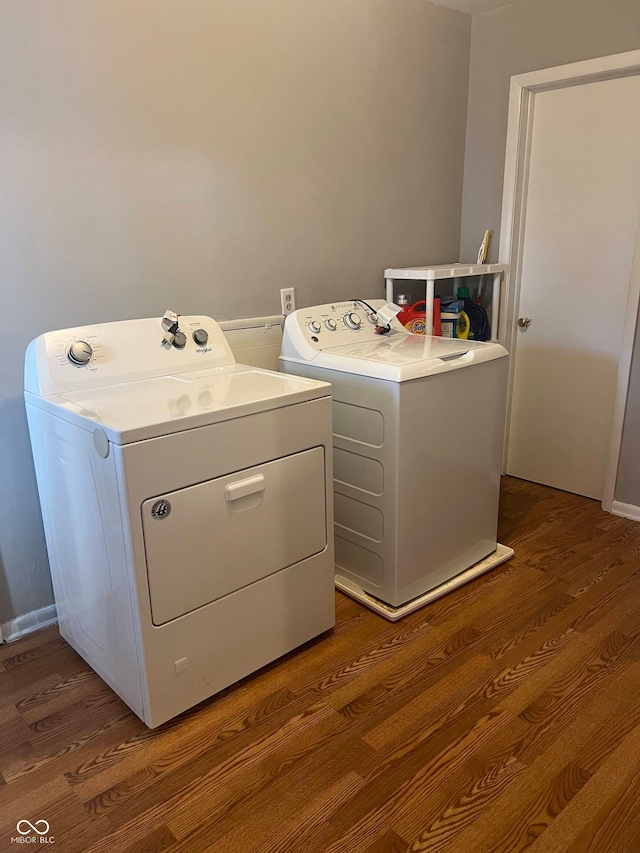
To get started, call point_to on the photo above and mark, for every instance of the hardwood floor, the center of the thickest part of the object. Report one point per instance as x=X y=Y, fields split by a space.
x=503 y=717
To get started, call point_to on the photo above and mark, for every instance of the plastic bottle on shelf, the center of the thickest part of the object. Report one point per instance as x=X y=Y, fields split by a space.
x=415 y=319
x=479 y=326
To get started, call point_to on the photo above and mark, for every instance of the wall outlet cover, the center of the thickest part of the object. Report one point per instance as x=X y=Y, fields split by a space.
x=288 y=300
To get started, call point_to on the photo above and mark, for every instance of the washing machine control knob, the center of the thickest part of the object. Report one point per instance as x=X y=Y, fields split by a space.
x=352 y=320
x=331 y=325
x=201 y=337
x=315 y=327
x=179 y=340
x=80 y=352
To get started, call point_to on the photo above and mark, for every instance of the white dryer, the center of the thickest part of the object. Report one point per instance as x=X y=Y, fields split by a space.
x=418 y=427
x=185 y=504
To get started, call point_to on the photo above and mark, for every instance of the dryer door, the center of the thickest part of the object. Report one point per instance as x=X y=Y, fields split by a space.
x=208 y=540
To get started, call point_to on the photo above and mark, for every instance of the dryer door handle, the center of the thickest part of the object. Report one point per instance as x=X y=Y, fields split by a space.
x=244 y=487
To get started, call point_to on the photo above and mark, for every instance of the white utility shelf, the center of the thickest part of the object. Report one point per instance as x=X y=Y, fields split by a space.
x=442 y=271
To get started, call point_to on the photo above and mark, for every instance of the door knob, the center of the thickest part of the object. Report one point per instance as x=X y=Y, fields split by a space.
x=524 y=322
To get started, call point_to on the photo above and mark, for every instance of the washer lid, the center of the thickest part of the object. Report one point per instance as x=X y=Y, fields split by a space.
x=401 y=348
x=401 y=357
x=134 y=411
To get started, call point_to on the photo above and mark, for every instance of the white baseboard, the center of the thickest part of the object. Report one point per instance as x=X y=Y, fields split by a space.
x=626 y=510
x=28 y=623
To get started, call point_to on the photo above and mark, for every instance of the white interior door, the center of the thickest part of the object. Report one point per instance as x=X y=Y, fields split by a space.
x=582 y=206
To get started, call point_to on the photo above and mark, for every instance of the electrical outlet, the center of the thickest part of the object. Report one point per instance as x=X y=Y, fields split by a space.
x=288 y=300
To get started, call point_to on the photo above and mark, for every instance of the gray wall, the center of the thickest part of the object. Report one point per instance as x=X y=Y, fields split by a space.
x=530 y=35
x=527 y=36
x=200 y=155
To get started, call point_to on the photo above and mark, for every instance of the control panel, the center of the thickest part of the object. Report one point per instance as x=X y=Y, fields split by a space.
x=108 y=353
x=338 y=323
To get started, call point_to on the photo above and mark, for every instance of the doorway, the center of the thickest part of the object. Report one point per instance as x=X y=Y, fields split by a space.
x=569 y=235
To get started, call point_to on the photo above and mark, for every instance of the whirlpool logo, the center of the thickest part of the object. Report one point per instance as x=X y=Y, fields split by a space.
x=33 y=833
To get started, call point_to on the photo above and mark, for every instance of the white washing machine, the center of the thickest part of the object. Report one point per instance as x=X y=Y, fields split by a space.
x=418 y=426
x=185 y=504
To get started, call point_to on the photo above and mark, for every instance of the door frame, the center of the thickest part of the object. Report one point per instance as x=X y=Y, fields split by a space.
x=522 y=96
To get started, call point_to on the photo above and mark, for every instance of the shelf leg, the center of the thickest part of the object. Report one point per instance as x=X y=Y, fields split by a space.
x=428 y=320
x=495 y=305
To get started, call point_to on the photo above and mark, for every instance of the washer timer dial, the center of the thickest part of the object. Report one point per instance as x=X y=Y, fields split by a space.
x=79 y=353
x=352 y=320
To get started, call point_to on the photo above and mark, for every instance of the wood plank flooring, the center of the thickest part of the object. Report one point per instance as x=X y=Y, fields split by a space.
x=503 y=717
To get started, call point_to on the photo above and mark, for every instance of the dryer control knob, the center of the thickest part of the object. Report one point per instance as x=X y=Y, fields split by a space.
x=315 y=327
x=352 y=320
x=201 y=336
x=179 y=340
x=80 y=352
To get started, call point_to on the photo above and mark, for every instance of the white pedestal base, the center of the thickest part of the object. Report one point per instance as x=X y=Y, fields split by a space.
x=500 y=555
